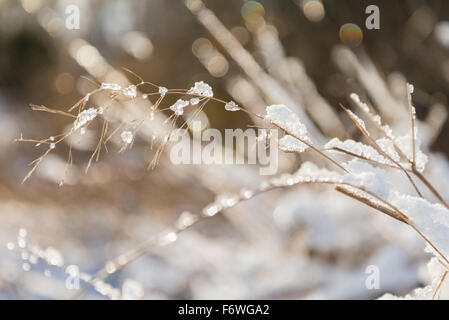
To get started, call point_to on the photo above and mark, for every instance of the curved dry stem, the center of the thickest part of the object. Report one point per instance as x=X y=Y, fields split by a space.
x=379 y=149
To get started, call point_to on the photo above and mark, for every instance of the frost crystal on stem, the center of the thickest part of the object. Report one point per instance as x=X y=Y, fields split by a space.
x=111 y=86
x=163 y=91
x=202 y=89
x=127 y=137
x=355 y=97
x=285 y=118
x=359 y=149
x=403 y=143
x=178 y=107
x=84 y=117
x=231 y=106
x=291 y=144
x=359 y=122
x=130 y=92
x=194 y=101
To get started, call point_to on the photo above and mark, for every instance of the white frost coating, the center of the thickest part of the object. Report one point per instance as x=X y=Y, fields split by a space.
x=359 y=149
x=227 y=200
x=285 y=118
x=404 y=143
x=163 y=91
x=431 y=219
x=130 y=92
x=309 y=169
x=362 y=174
x=231 y=106
x=291 y=144
x=359 y=121
x=185 y=220
x=202 y=89
x=53 y=256
x=376 y=118
x=212 y=209
x=361 y=194
x=413 y=112
x=355 y=97
x=387 y=146
x=373 y=179
x=308 y=173
x=111 y=86
x=84 y=117
x=386 y=128
x=178 y=107
x=127 y=137
x=194 y=101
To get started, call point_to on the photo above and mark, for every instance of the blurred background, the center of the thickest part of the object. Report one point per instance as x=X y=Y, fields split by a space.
x=303 y=242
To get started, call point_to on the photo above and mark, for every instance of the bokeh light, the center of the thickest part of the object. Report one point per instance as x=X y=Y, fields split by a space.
x=351 y=35
x=313 y=10
x=137 y=45
x=64 y=83
x=252 y=11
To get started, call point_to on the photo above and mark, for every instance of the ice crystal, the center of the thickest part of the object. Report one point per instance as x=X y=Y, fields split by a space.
x=246 y=193
x=178 y=107
x=53 y=257
x=388 y=147
x=373 y=179
x=202 y=89
x=168 y=238
x=185 y=220
x=111 y=86
x=355 y=97
x=194 y=101
x=431 y=219
x=291 y=144
x=357 y=148
x=84 y=117
x=127 y=137
x=227 y=200
x=211 y=209
x=308 y=173
x=360 y=123
x=404 y=143
x=130 y=92
x=163 y=91
x=231 y=106
x=288 y=120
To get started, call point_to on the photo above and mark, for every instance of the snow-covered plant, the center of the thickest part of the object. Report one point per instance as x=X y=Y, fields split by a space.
x=363 y=178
